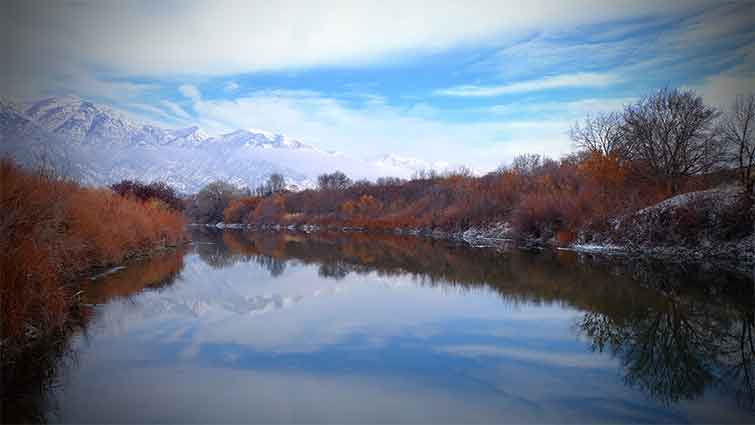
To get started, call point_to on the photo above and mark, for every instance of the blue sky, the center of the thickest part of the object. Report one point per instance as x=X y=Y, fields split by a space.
x=474 y=82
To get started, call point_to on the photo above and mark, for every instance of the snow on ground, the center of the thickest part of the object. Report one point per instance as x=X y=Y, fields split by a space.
x=724 y=195
x=594 y=248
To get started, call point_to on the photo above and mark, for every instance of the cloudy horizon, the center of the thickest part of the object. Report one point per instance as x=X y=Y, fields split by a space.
x=440 y=82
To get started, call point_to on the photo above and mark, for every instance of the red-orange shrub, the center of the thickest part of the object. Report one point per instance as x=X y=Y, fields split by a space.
x=238 y=210
x=54 y=230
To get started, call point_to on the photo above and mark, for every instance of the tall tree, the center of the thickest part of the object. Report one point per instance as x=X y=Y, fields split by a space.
x=737 y=130
x=672 y=131
x=333 y=181
x=276 y=182
x=213 y=199
x=603 y=134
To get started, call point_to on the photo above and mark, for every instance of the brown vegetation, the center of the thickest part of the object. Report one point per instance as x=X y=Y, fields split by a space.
x=23 y=393
x=666 y=143
x=149 y=191
x=541 y=198
x=54 y=230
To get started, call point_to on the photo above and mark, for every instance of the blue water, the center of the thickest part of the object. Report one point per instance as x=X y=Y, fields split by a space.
x=293 y=328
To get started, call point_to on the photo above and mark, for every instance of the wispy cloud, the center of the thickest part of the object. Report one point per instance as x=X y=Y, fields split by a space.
x=191 y=91
x=509 y=80
x=231 y=86
x=225 y=37
x=374 y=128
x=574 y=108
x=175 y=109
x=584 y=79
x=576 y=360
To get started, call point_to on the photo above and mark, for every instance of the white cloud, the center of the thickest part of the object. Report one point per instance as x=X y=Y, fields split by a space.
x=146 y=114
x=190 y=91
x=225 y=37
x=584 y=79
x=721 y=90
x=175 y=109
x=231 y=86
x=563 y=359
x=576 y=108
x=371 y=129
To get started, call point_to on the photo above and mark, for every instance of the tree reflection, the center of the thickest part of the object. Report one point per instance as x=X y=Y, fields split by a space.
x=275 y=266
x=334 y=270
x=26 y=381
x=675 y=350
x=677 y=330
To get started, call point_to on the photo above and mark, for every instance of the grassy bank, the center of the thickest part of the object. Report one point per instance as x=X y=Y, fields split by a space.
x=53 y=231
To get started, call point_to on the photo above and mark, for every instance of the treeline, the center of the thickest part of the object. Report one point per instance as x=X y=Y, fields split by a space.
x=54 y=230
x=667 y=143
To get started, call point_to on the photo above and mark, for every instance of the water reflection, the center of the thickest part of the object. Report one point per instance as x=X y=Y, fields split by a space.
x=676 y=351
x=288 y=327
x=28 y=385
x=690 y=330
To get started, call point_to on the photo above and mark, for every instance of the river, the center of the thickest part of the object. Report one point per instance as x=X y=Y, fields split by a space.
x=287 y=327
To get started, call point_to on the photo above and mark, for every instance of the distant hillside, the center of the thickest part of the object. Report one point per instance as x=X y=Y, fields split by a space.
x=99 y=146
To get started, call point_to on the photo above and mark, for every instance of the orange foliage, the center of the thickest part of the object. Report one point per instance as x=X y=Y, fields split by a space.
x=540 y=197
x=239 y=209
x=270 y=209
x=54 y=230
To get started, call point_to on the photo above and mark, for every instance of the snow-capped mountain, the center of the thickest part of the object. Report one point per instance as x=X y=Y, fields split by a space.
x=100 y=146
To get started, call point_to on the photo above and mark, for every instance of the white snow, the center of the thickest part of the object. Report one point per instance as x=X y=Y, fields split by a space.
x=724 y=195
x=596 y=248
x=103 y=147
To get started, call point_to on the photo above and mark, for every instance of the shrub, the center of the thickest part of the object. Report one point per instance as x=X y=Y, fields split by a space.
x=55 y=230
x=238 y=210
x=147 y=192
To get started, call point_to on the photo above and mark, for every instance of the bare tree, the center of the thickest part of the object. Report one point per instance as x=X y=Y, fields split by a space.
x=672 y=131
x=276 y=182
x=603 y=134
x=737 y=132
x=390 y=181
x=526 y=164
x=213 y=199
x=333 y=181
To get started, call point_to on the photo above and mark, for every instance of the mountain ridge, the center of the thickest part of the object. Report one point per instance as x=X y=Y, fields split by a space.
x=101 y=146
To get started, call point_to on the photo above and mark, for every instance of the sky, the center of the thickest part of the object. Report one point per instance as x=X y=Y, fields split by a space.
x=473 y=82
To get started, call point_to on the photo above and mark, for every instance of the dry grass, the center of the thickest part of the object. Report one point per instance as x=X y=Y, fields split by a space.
x=54 y=230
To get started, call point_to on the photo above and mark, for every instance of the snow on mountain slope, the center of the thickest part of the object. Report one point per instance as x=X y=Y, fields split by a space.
x=99 y=146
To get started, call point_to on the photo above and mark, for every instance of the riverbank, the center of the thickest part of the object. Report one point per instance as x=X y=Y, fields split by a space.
x=737 y=255
x=709 y=226
x=54 y=232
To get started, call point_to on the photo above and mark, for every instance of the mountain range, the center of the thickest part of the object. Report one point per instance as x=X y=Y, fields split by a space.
x=99 y=146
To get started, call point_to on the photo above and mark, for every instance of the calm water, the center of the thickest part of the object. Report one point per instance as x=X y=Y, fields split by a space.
x=249 y=327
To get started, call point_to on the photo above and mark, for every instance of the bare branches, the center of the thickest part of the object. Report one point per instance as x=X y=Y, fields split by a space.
x=672 y=132
x=276 y=183
x=603 y=134
x=737 y=132
x=333 y=181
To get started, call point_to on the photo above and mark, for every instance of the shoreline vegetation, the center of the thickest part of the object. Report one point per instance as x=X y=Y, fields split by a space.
x=738 y=255
x=668 y=177
x=23 y=395
x=55 y=232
